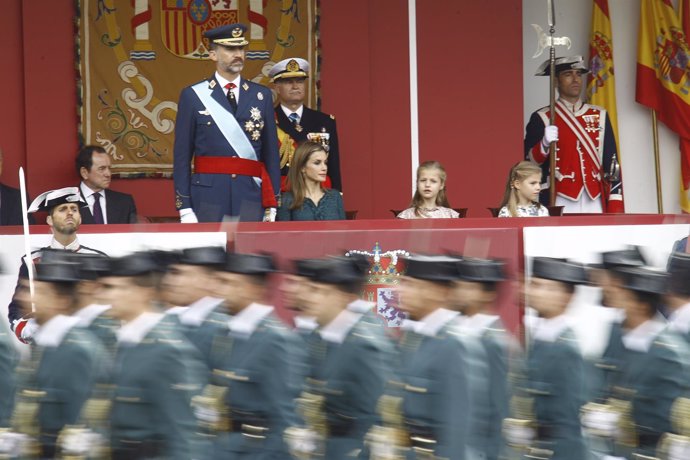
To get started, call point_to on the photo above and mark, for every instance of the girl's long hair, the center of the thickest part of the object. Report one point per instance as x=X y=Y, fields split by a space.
x=519 y=172
x=441 y=198
x=295 y=182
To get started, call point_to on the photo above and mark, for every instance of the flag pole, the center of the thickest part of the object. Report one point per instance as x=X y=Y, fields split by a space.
x=657 y=167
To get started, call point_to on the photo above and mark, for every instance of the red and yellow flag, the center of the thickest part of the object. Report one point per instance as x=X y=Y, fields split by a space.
x=601 y=82
x=663 y=75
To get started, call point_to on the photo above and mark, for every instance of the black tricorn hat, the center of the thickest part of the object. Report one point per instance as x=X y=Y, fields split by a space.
x=642 y=279
x=480 y=270
x=679 y=273
x=307 y=268
x=561 y=270
x=623 y=258
x=135 y=264
x=249 y=264
x=57 y=272
x=441 y=269
x=211 y=256
x=91 y=266
x=340 y=271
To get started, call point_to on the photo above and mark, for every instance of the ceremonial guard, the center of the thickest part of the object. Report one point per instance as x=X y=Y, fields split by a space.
x=248 y=404
x=475 y=293
x=587 y=171
x=546 y=405
x=298 y=123
x=64 y=219
x=191 y=282
x=644 y=373
x=226 y=159
x=157 y=371
x=348 y=365
x=678 y=297
x=425 y=411
x=66 y=362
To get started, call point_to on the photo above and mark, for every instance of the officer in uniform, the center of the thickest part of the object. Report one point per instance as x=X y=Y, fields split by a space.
x=66 y=363
x=248 y=404
x=553 y=390
x=348 y=365
x=225 y=125
x=298 y=123
x=475 y=293
x=586 y=149
x=678 y=296
x=64 y=219
x=428 y=410
x=644 y=372
x=157 y=370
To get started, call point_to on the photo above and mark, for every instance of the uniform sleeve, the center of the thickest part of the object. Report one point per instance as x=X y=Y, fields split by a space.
x=534 y=133
x=284 y=213
x=334 y=158
x=454 y=389
x=14 y=309
x=183 y=149
x=614 y=190
x=270 y=154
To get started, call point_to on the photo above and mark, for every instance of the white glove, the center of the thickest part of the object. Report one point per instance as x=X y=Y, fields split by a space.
x=13 y=444
x=81 y=441
x=601 y=422
x=187 y=216
x=550 y=135
x=29 y=330
x=301 y=441
x=270 y=215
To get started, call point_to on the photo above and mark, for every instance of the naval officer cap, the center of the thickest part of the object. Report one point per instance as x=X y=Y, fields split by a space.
x=289 y=68
x=561 y=270
x=440 y=269
x=48 y=200
x=642 y=279
x=679 y=274
x=249 y=264
x=228 y=35
x=208 y=256
x=562 y=64
x=480 y=270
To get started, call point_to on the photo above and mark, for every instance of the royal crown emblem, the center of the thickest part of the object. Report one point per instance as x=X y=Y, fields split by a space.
x=385 y=270
x=292 y=66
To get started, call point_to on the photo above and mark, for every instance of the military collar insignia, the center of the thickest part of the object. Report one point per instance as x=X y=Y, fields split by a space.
x=212 y=84
x=245 y=86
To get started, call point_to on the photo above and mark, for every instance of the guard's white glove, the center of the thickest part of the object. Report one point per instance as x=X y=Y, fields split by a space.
x=302 y=442
x=550 y=135
x=25 y=329
x=603 y=422
x=13 y=445
x=187 y=216
x=80 y=441
x=517 y=433
x=270 y=215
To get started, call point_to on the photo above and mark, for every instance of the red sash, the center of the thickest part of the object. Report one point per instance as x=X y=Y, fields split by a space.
x=237 y=165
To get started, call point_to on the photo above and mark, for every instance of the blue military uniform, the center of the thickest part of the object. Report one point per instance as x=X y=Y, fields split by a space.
x=225 y=188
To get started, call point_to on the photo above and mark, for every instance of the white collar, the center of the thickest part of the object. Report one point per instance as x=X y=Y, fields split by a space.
x=305 y=323
x=680 y=319
x=475 y=325
x=246 y=321
x=199 y=310
x=73 y=246
x=360 y=306
x=572 y=107
x=54 y=331
x=222 y=81
x=434 y=321
x=89 y=313
x=641 y=338
x=336 y=331
x=135 y=331
x=287 y=111
x=176 y=310
x=548 y=330
x=86 y=190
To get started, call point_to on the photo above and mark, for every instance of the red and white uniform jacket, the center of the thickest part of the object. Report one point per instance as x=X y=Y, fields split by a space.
x=585 y=151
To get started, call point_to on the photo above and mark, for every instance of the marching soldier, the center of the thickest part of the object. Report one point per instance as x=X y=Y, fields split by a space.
x=66 y=363
x=427 y=415
x=248 y=404
x=157 y=372
x=475 y=295
x=551 y=395
x=678 y=297
x=298 y=123
x=644 y=372
x=347 y=362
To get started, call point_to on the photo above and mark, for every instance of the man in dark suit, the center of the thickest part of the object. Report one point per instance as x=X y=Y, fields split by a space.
x=298 y=123
x=10 y=203
x=103 y=206
x=225 y=124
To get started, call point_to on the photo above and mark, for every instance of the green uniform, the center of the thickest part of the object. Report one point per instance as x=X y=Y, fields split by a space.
x=157 y=373
x=8 y=363
x=96 y=320
x=252 y=364
x=202 y=322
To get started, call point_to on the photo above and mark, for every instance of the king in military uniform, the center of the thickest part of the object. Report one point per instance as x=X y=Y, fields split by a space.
x=298 y=123
x=226 y=150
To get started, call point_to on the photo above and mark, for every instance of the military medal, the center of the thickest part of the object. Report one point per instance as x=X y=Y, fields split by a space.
x=260 y=96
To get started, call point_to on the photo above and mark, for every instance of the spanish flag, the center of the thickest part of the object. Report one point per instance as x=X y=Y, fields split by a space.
x=601 y=82
x=663 y=79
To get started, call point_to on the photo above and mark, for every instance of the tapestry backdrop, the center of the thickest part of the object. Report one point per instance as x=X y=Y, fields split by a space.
x=136 y=56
